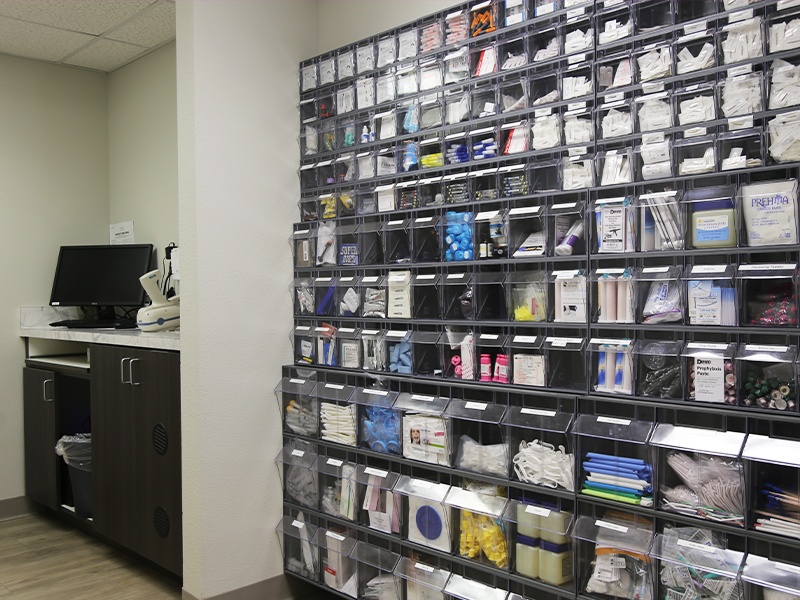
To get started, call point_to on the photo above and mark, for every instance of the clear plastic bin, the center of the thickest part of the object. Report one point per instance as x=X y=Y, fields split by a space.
x=420 y=580
x=528 y=231
x=298 y=406
x=373 y=349
x=378 y=425
x=338 y=417
x=528 y=296
x=300 y=555
x=661 y=221
x=617 y=462
x=479 y=442
x=614 y=295
x=528 y=361
x=458 y=296
x=767 y=377
x=425 y=296
x=427 y=518
x=299 y=479
x=615 y=225
x=339 y=571
x=375 y=567
x=381 y=509
x=426 y=432
x=337 y=486
x=541 y=447
x=659 y=369
x=695 y=465
x=482 y=536
x=457 y=349
x=611 y=362
x=660 y=295
x=711 y=295
x=768 y=294
x=565 y=360
x=490 y=296
x=569 y=296
x=711 y=372
x=349 y=342
x=539 y=537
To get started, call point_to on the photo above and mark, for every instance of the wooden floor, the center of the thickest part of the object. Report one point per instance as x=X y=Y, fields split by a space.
x=43 y=559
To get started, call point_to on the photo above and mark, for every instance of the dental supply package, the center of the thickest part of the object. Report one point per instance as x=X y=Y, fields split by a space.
x=770 y=212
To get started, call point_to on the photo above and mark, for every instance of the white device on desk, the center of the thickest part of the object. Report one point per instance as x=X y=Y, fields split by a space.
x=162 y=314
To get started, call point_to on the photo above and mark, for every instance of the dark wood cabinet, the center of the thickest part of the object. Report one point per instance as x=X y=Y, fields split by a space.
x=137 y=451
x=129 y=398
x=42 y=479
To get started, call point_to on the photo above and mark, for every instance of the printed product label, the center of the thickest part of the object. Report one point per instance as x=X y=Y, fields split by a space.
x=348 y=255
x=613 y=228
x=770 y=219
x=711 y=229
x=709 y=379
x=705 y=303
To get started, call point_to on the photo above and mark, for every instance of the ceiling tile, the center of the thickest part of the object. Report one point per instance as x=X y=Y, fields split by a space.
x=151 y=27
x=95 y=17
x=105 y=55
x=37 y=41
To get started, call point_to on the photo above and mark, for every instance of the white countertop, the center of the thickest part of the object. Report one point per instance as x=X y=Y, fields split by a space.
x=34 y=323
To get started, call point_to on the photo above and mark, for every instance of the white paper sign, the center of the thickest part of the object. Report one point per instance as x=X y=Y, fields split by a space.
x=121 y=233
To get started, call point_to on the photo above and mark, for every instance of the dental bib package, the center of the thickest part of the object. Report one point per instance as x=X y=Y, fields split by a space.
x=769 y=210
x=702 y=475
x=481 y=447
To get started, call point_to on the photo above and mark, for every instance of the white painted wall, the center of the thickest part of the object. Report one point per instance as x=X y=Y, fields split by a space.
x=343 y=22
x=143 y=148
x=237 y=158
x=54 y=174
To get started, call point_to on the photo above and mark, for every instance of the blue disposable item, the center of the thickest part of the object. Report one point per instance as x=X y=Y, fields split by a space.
x=380 y=430
x=612 y=473
x=612 y=458
x=528 y=541
x=589 y=465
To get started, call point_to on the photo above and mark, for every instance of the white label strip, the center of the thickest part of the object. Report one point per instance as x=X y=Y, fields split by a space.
x=709 y=268
x=298 y=524
x=335 y=536
x=538 y=510
x=614 y=421
x=475 y=406
x=696 y=546
x=376 y=472
x=297 y=381
x=426 y=568
x=335 y=462
x=334 y=386
x=538 y=412
x=298 y=453
x=611 y=526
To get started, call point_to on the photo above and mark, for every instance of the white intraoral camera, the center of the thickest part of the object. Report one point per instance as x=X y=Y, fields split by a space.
x=162 y=314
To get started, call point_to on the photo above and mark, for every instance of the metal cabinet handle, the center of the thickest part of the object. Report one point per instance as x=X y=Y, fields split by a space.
x=130 y=371
x=44 y=390
x=122 y=370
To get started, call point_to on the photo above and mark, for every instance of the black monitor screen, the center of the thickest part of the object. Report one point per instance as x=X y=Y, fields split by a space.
x=101 y=275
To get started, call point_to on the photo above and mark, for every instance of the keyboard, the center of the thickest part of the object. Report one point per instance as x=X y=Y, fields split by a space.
x=84 y=324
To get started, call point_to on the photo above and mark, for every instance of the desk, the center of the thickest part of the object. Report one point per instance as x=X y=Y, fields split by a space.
x=123 y=386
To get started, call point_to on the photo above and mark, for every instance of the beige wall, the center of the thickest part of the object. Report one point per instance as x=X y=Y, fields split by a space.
x=237 y=159
x=143 y=148
x=343 y=22
x=54 y=174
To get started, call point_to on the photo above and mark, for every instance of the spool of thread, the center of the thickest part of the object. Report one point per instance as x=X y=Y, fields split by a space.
x=572 y=237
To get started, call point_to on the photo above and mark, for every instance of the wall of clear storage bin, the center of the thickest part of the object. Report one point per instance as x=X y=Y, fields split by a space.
x=546 y=306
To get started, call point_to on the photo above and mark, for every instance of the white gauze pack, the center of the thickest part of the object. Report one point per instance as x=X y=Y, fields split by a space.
x=769 y=211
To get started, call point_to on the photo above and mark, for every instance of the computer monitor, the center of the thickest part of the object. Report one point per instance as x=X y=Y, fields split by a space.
x=101 y=276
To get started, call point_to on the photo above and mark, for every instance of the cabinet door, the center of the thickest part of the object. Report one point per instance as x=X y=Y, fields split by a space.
x=115 y=471
x=41 y=460
x=156 y=382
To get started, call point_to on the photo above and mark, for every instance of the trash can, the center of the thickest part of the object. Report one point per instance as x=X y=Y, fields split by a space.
x=77 y=452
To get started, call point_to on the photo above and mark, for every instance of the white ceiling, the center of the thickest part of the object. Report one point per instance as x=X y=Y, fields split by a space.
x=101 y=35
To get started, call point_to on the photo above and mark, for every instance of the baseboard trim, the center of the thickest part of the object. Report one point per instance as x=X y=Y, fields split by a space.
x=276 y=588
x=13 y=508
